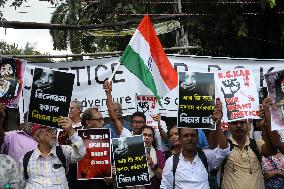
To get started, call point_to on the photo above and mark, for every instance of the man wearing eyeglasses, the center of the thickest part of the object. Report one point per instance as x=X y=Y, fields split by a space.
x=242 y=168
x=92 y=118
x=45 y=168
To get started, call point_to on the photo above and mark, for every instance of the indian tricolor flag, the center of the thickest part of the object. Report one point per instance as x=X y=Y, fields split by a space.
x=144 y=57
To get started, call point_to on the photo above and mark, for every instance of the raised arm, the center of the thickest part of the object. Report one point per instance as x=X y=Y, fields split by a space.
x=118 y=125
x=77 y=150
x=217 y=136
x=273 y=135
x=163 y=134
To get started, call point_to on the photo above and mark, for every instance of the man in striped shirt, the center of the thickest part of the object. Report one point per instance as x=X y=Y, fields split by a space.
x=45 y=169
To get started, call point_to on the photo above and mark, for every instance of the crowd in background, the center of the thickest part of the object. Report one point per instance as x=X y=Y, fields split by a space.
x=248 y=156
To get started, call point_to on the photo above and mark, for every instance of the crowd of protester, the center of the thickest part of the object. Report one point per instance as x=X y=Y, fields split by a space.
x=177 y=157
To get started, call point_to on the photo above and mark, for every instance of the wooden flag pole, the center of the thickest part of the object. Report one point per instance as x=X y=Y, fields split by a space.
x=114 y=71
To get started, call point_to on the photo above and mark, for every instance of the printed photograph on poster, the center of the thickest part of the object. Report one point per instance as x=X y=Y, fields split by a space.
x=262 y=94
x=97 y=162
x=130 y=161
x=238 y=93
x=149 y=106
x=11 y=80
x=196 y=100
x=275 y=85
x=50 y=96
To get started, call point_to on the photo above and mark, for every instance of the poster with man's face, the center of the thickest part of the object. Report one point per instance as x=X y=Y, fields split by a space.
x=11 y=81
x=50 y=96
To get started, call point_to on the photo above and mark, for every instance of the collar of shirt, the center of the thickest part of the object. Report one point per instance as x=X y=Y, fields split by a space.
x=235 y=143
x=183 y=158
x=37 y=153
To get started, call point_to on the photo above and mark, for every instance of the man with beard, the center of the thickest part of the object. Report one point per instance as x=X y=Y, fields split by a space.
x=44 y=167
x=242 y=168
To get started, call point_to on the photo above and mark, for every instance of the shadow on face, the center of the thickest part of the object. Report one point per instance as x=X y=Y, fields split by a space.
x=239 y=128
x=188 y=138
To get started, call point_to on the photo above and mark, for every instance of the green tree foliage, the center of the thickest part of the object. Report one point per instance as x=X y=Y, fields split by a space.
x=235 y=28
x=29 y=49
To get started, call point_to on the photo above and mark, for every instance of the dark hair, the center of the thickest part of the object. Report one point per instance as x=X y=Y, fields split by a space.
x=87 y=115
x=138 y=114
x=153 y=131
x=2 y=134
x=171 y=127
x=179 y=131
x=13 y=65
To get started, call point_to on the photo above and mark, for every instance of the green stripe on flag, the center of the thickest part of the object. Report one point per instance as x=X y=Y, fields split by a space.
x=134 y=63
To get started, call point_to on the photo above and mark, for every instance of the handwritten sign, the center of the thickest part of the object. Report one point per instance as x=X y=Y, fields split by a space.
x=97 y=162
x=238 y=93
x=148 y=105
x=50 y=96
x=196 y=100
x=130 y=161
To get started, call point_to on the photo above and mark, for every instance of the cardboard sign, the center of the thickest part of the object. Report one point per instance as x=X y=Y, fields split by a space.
x=196 y=100
x=148 y=105
x=50 y=96
x=11 y=81
x=97 y=162
x=130 y=161
x=238 y=93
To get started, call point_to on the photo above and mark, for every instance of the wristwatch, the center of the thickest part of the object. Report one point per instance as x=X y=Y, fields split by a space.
x=155 y=167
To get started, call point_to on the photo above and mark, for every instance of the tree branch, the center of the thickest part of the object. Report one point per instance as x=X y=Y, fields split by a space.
x=36 y=25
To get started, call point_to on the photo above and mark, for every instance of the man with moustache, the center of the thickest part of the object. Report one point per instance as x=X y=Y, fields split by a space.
x=44 y=168
x=242 y=168
x=190 y=167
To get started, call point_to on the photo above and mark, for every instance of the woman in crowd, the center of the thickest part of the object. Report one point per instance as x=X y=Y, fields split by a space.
x=273 y=170
x=156 y=159
x=175 y=146
x=9 y=172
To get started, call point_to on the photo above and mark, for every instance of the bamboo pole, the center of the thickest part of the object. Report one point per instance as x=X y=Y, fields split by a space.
x=94 y=54
x=36 y=25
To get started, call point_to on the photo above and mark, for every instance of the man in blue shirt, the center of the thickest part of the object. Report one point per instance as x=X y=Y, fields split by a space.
x=118 y=111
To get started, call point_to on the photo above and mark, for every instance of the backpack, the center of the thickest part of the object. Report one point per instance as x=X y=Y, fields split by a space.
x=27 y=156
x=253 y=147
x=201 y=155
